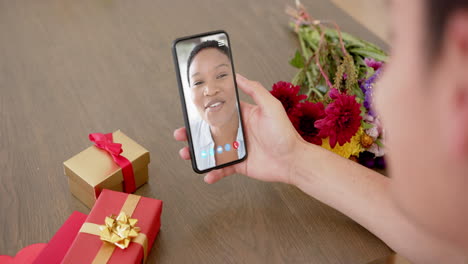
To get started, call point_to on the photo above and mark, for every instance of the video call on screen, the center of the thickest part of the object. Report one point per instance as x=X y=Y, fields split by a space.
x=211 y=100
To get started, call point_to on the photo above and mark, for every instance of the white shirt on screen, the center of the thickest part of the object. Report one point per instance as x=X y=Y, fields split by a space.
x=204 y=146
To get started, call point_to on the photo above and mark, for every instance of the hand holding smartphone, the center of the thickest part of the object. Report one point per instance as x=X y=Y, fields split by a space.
x=210 y=100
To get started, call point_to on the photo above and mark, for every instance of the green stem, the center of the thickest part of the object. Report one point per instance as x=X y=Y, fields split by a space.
x=295 y=80
x=305 y=53
x=317 y=92
x=311 y=87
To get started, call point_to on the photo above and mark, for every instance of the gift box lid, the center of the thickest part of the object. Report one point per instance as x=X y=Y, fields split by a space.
x=95 y=166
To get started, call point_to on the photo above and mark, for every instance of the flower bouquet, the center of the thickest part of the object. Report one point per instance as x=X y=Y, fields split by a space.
x=329 y=100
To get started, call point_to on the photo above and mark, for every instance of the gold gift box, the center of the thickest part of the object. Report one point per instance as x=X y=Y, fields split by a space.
x=93 y=169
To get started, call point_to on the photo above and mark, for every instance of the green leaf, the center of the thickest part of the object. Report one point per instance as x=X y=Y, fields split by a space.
x=322 y=88
x=379 y=143
x=297 y=61
x=370 y=72
x=359 y=61
x=363 y=111
x=369 y=53
x=366 y=125
x=356 y=90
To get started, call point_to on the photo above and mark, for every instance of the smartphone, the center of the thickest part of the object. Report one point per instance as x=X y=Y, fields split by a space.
x=210 y=100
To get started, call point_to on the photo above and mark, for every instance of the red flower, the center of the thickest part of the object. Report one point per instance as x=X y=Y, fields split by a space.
x=342 y=119
x=287 y=93
x=303 y=118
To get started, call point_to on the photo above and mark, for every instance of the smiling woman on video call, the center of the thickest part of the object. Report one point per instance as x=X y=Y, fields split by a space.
x=218 y=135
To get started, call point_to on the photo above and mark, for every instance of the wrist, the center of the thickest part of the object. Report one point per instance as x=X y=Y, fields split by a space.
x=301 y=162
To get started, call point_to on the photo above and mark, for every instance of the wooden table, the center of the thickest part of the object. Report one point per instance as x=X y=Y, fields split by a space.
x=373 y=14
x=68 y=68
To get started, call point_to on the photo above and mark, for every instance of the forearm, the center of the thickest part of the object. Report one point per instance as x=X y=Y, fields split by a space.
x=363 y=195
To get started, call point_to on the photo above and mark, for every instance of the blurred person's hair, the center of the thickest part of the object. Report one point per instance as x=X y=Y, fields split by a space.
x=437 y=15
x=209 y=44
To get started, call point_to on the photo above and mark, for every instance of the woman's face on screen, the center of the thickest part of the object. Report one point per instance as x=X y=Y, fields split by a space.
x=212 y=86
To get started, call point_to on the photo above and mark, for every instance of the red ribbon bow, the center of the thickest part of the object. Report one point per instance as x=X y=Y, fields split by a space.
x=106 y=142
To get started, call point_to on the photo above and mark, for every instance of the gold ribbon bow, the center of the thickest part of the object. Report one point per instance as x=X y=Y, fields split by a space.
x=119 y=230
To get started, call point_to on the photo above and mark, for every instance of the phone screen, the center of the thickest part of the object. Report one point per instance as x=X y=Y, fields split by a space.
x=210 y=100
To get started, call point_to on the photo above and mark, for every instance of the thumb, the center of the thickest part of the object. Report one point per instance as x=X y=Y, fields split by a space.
x=259 y=94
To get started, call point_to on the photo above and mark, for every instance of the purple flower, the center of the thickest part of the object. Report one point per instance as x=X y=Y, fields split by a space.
x=369 y=160
x=367 y=88
x=366 y=159
x=380 y=163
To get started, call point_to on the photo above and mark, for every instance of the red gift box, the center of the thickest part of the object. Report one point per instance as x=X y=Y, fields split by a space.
x=25 y=256
x=55 y=250
x=88 y=246
x=58 y=246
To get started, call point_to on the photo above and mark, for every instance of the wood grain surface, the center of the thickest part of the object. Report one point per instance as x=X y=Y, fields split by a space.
x=69 y=68
x=373 y=14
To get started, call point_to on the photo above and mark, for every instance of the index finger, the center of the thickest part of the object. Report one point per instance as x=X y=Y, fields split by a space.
x=180 y=134
x=259 y=94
